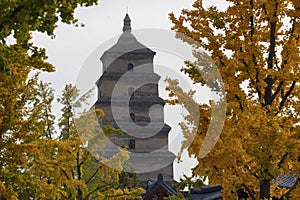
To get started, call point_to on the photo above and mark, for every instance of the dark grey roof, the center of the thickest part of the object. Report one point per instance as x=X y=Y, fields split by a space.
x=143 y=162
x=128 y=43
x=131 y=77
x=286 y=181
x=204 y=193
x=123 y=101
x=159 y=183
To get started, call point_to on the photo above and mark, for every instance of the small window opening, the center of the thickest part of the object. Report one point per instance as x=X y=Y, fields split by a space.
x=131 y=144
x=130 y=66
x=132 y=116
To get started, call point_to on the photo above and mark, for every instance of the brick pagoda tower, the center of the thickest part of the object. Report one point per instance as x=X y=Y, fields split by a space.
x=128 y=95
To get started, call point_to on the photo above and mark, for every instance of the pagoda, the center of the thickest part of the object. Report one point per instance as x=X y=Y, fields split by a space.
x=128 y=95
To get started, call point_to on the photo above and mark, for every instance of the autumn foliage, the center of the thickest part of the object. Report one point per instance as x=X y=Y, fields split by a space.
x=34 y=162
x=254 y=45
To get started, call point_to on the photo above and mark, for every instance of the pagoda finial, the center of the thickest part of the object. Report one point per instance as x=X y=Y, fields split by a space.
x=127 y=23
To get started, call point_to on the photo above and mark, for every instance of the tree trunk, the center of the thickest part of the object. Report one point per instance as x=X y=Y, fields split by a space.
x=79 y=191
x=264 y=191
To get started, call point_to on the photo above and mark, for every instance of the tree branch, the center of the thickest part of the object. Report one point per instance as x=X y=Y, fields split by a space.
x=256 y=87
x=277 y=90
x=282 y=160
x=251 y=80
x=61 y=193
x=93 y=175
x=253 y=56
x=252 y=19
x=272 y=39
x=276 y=63
x=240 y=103
x=249 y=191
x=284 y=62
x=65 y=173
x=91 y=192
x=285 y=97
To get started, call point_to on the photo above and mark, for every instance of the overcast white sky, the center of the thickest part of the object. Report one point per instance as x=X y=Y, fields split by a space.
x=72 y=47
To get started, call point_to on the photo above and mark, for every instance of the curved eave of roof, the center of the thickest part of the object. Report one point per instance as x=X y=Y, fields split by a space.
x=127 y=43
x=157 y=185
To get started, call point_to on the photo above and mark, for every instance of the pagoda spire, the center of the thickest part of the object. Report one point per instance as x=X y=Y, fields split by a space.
x=127 y=24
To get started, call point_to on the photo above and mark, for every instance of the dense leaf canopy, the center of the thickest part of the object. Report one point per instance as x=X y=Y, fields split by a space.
x=33 y=163
x=255 y=47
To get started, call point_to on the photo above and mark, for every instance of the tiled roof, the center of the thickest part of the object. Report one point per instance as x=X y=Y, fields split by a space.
x=159 y=183
x=286 y=181
x=204 y=193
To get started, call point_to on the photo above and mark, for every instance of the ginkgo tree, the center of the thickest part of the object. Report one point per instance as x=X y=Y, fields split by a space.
x=20 y=119
x=254 y=46
x=73 y=166
x=34 y=165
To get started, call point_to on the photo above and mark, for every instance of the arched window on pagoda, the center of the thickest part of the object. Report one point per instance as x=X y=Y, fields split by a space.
x=132 y=116
x=130 y=66
x=131 y=144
